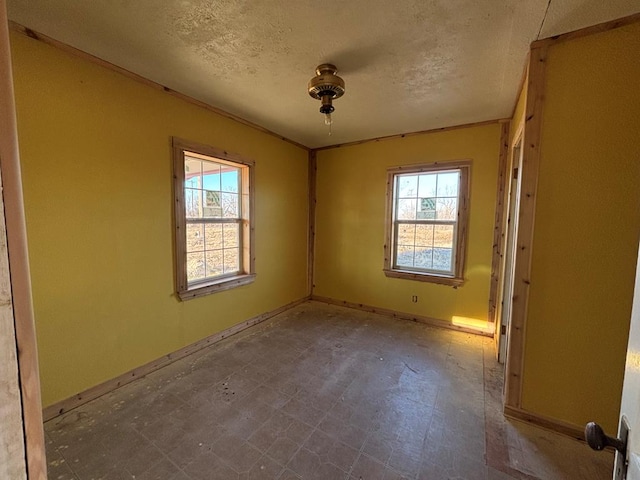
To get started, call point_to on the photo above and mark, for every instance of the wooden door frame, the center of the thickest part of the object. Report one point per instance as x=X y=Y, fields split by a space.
x=19 y=265
x=515 y=148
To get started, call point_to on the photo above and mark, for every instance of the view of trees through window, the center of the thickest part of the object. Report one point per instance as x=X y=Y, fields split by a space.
x=213 y=218
x=426 y=211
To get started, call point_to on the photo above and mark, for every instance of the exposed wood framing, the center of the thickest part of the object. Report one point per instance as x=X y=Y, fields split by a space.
x=138 y=78
x=498 y=229
x=25 y=333
x=313 y=170
x=92 y=393
x=524 y=236
x=434 y=322
x=411 y=134
x=583 y=32
x=12 y=455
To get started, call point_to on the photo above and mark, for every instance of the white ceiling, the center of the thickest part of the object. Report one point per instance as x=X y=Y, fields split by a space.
x=409 y=65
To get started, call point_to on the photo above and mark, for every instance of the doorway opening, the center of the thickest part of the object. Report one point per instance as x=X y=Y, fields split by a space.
x=505 y=293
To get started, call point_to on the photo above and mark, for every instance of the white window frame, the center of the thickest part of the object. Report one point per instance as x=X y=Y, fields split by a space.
x=246 y=274
x=456 y=277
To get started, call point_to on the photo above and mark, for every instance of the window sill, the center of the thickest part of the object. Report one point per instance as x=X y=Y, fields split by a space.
x=216 y=286
x=425 y=277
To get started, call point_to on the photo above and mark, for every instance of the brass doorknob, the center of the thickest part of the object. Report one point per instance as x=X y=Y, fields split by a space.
x=598 y=440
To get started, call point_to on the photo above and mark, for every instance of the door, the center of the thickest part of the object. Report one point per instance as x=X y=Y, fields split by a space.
x=630 y=407
x=506 y=290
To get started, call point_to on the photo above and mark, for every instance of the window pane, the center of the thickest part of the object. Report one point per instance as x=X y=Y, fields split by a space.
x=446 y=208
x=195 y=237
x=407 y=186
x=427 y=208
x=443 y=236
x=230 y=179
x=424 y=258
x=406 y=209
x=192 y=170
x=424 y=236
x=406 y=234
x=212 y=207
x=214 y=263
x=427 y=185
x=404 y=256
x=231 y=260
x=448 y=184
x=213 y=236
x=230 y=207
x=231 y=235
x=195 y=266
x=211 y=176
x=442 y=259
x=192 y=202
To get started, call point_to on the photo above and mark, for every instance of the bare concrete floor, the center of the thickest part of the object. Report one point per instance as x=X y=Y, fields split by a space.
x=318 y=392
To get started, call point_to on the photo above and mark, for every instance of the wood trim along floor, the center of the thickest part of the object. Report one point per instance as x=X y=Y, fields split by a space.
x=62 y=407
x=558 y=426
x=138 y=78
x=590 y=30
x=411 y=134
x=434 y=322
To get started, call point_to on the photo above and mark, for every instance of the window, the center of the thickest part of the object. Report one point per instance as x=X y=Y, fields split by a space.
x=214 y=227
x=427 y=208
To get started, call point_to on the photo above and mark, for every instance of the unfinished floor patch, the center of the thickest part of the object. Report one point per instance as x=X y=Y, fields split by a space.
x=318 y=392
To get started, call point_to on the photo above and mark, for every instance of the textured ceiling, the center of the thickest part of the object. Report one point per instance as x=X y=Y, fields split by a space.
x=409 y=65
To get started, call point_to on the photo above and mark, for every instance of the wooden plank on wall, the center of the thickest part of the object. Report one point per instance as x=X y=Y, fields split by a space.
x=313 y=169
x=524 y=238
x=25 y=335
x=498 y=228
x=12 y=455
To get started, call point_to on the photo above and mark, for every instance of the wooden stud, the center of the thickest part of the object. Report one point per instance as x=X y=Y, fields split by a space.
x=524 y=236
x=25 y=334
x=498 y=229
x=313 y=170
x=138 y=78
x=64 y=406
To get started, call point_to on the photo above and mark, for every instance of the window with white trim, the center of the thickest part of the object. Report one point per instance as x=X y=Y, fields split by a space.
x=427 y=210
x=213 y=206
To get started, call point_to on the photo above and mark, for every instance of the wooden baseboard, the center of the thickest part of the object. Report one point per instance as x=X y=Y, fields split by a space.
x=92 y=393
x=435 y=322
x=558 y=426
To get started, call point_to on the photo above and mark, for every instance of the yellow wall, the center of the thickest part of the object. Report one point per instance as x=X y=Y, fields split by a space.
x=96 y=161
x=350 y=222
x=587 y=226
